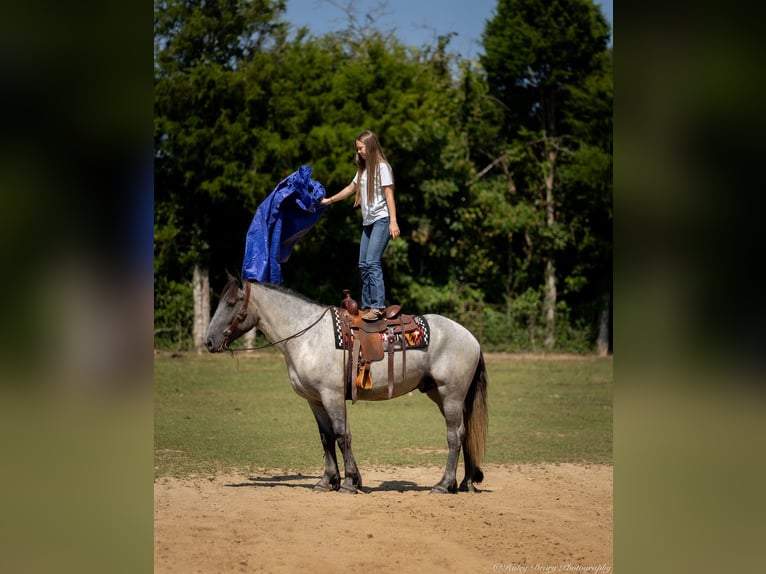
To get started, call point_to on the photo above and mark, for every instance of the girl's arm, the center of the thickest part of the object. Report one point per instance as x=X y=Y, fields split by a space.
x=342 y=194
x=393 y=226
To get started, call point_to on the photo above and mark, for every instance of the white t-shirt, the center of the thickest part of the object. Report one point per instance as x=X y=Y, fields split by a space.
x=379 y=208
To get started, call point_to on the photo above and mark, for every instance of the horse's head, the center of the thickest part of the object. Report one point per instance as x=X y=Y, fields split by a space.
x=232 y=318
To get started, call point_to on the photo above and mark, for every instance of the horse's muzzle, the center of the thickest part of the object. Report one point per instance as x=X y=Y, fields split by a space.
x=210 y=346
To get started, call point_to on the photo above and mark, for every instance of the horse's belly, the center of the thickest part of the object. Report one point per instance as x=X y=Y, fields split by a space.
x=404 y=382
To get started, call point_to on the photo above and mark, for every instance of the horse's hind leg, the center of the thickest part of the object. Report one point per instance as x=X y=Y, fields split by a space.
x=472 y=473
x=453 y=415
x=331 y=478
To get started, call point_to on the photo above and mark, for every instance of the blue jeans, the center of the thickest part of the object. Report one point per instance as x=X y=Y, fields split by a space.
x=371 y=247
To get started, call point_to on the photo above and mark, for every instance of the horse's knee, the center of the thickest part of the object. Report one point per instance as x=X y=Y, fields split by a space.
x=344 y=441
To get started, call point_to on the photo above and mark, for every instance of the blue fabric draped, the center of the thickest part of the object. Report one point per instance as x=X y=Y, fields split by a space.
x=285 y=216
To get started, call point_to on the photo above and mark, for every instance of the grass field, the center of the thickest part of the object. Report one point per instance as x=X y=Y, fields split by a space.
x=216 y=413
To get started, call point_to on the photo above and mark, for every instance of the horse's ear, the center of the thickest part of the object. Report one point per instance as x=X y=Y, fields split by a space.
x=231 y=277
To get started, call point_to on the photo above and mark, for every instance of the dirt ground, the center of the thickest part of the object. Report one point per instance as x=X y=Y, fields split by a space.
x=527 y=518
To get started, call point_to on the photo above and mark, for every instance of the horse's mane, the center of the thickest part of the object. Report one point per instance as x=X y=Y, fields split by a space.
x=235 y=282
x=286 y=291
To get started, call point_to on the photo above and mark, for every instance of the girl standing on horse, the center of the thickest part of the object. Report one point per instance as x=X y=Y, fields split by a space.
x=375 y=195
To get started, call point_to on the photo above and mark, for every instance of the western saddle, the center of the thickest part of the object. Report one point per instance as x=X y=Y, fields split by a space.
x=369 y=342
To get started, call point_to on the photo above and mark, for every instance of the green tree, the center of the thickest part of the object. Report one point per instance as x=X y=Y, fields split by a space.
x=202 y=140
x=587 y=177
x=240 y=104
x=540 y=56
x=326 y=91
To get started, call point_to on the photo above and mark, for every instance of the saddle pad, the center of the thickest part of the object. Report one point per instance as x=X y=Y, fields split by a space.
x=417 y=339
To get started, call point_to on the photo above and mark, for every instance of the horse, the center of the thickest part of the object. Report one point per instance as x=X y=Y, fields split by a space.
x=451 y=371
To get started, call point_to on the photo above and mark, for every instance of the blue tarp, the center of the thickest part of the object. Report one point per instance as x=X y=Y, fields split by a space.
x=285 y=216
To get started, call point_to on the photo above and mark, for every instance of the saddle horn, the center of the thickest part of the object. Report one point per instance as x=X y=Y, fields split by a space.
x=349 y=304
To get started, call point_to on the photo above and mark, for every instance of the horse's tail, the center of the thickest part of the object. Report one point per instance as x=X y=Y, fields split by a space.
x=476 y=419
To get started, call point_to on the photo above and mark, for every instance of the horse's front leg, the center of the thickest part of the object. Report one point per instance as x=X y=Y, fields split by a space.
x=331 y=478
x=336 y=409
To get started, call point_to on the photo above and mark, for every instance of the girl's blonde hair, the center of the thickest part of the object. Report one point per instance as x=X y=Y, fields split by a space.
x=375 y=156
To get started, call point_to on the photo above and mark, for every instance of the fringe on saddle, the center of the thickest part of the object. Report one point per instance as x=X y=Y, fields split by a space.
x=366 y=342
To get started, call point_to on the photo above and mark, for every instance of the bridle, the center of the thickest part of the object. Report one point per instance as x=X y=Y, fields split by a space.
x=242 y=313
x=238 y=318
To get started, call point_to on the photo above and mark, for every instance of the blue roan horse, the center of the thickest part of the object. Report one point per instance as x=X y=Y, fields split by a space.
x=450 y=371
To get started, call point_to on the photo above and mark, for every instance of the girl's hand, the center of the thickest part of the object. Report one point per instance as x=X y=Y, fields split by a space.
x=393 y=229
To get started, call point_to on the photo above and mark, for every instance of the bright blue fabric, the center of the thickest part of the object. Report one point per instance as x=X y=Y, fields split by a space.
x=285 y=216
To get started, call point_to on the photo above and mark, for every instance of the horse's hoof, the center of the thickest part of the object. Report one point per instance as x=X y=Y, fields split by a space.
x=348 y=489
x=468 y=486
x=323 y=487
x=438 y=489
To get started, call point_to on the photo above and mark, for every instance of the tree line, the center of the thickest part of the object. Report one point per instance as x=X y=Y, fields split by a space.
x=503 y=165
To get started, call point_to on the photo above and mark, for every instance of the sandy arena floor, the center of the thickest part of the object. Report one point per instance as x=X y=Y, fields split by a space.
x=528 y=518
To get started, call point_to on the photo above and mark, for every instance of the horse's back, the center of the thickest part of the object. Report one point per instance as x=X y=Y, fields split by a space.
x=448 y=333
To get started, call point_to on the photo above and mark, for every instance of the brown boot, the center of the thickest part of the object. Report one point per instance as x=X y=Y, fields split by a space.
x=373 y=315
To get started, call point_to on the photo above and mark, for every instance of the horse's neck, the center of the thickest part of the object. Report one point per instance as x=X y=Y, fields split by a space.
x=282 y=314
